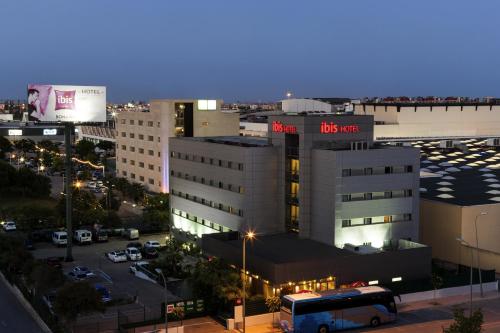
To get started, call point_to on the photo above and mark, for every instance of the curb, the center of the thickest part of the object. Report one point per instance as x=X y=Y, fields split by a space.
x=24 y=302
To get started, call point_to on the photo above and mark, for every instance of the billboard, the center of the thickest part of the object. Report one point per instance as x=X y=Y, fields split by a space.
x=51 y=103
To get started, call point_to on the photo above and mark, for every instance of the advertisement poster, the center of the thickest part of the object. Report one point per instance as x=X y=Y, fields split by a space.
x=53 y=103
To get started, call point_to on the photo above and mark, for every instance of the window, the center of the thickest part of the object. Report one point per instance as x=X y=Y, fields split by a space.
x=346 y=172
x=151 y=167
x=141 y=150
x=132 y=162
x=159 y=169
x=346 y=197
x=124 y=160
x=240 y=166
x=131 y=122
x=159 y=154
x=230 y=165
x=368 y=196
x=202 y=159
x=158 y=124
x=150 y=124
x=388 y=218
x=124 y=134
x=141 y=137
x=131 y=135
x=124 y=173
x=388 y=169
x=367 y=220
x=368 y=171
x=132 y=175
x=151 y=181
x=172 y=154
x=141 y=178
x=211 y=161
x=388 y=194
x=124 y=147
x=409 y=168
x=220 y=163
x=151 y=152
x=159 y=139
x=122 y=121
x=241 y=189
x=141 y=122
x=221 y=185
x=132 y=149
x=357 y=196
x=150 y=138
x=408 y=193
x=346 y=223
x=141 y=164
x=171 y=172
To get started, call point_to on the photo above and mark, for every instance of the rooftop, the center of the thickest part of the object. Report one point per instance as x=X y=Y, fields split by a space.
x=464 y=175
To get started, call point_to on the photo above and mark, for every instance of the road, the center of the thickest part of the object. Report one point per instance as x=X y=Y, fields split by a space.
x=13 y=316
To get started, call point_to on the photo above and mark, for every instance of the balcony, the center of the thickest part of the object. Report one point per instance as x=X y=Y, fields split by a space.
x=292 y=199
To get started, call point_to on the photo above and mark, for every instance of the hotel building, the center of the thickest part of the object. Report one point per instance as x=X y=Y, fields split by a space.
x=142 y=137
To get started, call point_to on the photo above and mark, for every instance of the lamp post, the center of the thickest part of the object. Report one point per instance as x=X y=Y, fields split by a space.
x=159 y=271
x=249 y=235
x=477 y=251
x=463 y=242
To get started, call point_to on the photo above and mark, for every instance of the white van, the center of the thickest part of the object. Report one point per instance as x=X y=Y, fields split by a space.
x=82 y=236
x=131 y=233
x=60 y=238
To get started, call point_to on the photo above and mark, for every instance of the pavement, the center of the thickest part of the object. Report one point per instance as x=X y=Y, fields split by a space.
x=14 y=318
x=427 y=316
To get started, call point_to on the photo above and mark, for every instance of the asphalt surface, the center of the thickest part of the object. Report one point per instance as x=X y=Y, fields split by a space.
x=13 y=316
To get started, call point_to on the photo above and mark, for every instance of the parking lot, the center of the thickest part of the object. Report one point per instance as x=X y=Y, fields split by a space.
x=116 y=277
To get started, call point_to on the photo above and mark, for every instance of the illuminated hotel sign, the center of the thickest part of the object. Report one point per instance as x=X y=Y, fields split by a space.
x=279 y=127
x=14 y=132
x=332 y=128
x=50 y=131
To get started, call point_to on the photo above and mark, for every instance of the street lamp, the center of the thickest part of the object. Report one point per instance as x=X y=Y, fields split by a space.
x=78 y=185
x=159 y=271
x=477 y=251
x=463 y=242
x=249 y=235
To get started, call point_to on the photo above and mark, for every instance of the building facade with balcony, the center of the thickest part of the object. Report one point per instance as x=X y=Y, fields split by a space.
x=320 y=176
x=142 y=137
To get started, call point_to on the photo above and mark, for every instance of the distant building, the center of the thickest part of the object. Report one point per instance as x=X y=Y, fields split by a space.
x=142 y=137
x=432 y=118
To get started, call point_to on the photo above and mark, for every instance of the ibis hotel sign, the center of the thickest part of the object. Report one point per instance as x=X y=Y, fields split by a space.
x=51 y=103
x=324 y=128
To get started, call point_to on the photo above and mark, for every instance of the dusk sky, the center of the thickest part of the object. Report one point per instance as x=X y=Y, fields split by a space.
x=252 y=50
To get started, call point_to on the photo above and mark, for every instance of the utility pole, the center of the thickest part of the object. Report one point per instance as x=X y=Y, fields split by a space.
x=68 y=127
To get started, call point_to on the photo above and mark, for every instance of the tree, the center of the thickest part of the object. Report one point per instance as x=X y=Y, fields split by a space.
x=159 y=202
x=45 y=277
x=25 y=145
x=216 y=283
x=5 y=146
x=48 y=146
x=13 y=255
x=156 y=220
x=463 y=324
x=77 y=298
x=273 y=304
x=84 y=148
x=86 y=208
x=437 y=282
x=170 y=260
x=106 y=145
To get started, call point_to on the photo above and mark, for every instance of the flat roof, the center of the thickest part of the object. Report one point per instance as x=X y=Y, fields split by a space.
x=465 y=175
x=241 y=141
x=335 y=292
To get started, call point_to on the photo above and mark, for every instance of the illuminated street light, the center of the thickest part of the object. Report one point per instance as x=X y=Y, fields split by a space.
x=78 y=185
x=249 y=235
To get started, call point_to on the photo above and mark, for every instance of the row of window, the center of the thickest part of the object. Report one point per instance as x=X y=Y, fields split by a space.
x=140 y=150
x=207 y=160
x=140 y=164
x=140 y=136
x=199 y=220
x=151 y=181
x=376 y=195
x=139 y=122
x=206 y=202
x=209 y=182
x=382 y=170
x=375 y=219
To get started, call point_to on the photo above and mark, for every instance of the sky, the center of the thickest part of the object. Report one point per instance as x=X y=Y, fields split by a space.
x=253 y=50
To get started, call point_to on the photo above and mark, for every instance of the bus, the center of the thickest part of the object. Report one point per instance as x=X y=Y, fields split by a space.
x=334 y=310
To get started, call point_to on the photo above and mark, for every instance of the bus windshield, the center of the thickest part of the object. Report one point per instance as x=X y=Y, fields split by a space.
x=286 y=304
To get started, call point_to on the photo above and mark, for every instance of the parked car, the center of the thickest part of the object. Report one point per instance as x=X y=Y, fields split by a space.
x=100 y=235
x=99 y=183
x=138 y=266
x=133 y=254
x=137 y=245
x=105 y=296
x=9 y=226
x=131 y=233
x=152 y=243
x=91 y=185
x=150 y=253
x=60 y=238
x=96 y=190
x=82 y=236
x=83 y=270
x=117 y=256
x=54 y=261
x=28 y=245
x=77 y=276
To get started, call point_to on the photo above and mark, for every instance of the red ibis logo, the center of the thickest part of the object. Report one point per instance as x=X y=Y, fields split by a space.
x=279 y=127
x=332 y=128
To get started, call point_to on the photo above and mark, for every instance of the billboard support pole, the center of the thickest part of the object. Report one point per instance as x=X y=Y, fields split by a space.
x=69 y=209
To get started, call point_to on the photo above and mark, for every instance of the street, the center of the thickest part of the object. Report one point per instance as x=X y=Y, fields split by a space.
x=13 y=316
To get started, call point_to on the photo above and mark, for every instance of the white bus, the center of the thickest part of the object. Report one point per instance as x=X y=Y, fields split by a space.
x=334 y=310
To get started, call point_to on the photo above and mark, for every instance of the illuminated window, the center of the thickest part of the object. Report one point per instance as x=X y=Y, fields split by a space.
x=205 y=105
x=388 y=218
